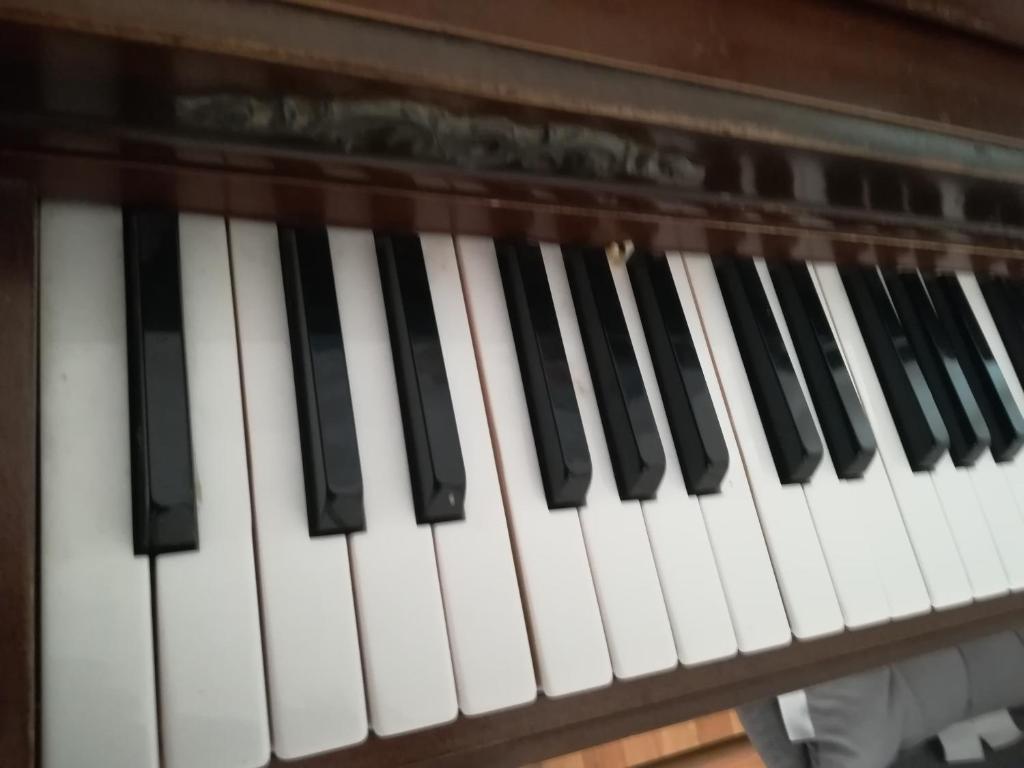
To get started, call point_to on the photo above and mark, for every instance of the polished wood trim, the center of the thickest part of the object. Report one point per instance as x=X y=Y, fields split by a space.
x=106 y=57
x=998 y=20
x=550 y=727
x=17 y=475
x=314 y=186
x=845 y=56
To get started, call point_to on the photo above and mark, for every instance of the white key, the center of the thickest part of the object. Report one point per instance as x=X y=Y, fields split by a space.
x=994 y=504
x=409 y=679
x=682 y=552
x=734 y=530
x=314 y=673
x=923 y=516
x=490 y=648
x=213 y=706
x=788 y=529
x=872 y=501
x=565 y=624
x=96 y=645
x=1003 y=502
x=632 y=605
x=967 y=522
x=837 y=520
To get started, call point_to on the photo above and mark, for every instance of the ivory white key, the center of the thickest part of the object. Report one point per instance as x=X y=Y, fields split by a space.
x=1003 y=501
x=873 y=503
x=682 y=552
x=923 y=516
x=314 y=672
x=489 y=645
x=213 y=707
x=632 y=605
x=734 y=530
x=96 y=645
x=800 y=566
x=841 y=531
x=565 y=624
x=404 y=639
x=993 y=498
x=965 y=503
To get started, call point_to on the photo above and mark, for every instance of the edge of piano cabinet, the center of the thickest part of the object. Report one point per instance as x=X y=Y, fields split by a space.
x=107 y=163
x=17 y=475
x=850 y=57
x=100 y=82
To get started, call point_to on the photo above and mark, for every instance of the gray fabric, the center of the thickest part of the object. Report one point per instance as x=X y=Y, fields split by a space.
x=849 y=734
x=765 y=730
x=887 y=716
x=763 y=724
x=995 y=668
x=929 y=692
x=929 y=754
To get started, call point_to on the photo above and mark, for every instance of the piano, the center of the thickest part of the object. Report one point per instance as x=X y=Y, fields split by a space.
x=442 y=384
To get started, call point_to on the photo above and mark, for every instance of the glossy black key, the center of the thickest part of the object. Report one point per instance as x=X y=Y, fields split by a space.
x=638 y=458
x=910 y=401
x=848 y=435
x=163 y=489
x=1004 y=300
x=551 y=401
x=1003 y=417
x=700 y=446
x=431 y=436
x=327 y=432
x=968 y=433
x=785 y=415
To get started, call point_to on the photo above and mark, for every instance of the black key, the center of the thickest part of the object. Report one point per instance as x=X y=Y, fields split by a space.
x=910 y=401
x=163 y=489
x=968 y=433
x=327 y=432
x=638 y=458
x=1003 y=417
x=698 y=438
x=1004 y=303
x=431 y=435
x=848 y=435
x=554 y=413
x=788 y=424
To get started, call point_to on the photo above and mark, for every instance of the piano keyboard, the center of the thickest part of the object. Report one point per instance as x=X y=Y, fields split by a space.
x=301 y=485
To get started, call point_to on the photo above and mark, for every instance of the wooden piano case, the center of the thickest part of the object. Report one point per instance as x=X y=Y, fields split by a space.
x=789 y=129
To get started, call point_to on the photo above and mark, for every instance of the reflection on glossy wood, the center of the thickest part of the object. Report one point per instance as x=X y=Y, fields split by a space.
x=750 y=46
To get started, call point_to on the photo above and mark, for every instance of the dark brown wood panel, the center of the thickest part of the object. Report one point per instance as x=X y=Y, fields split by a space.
x=999 y=20
x=261 y=47
x=17 y=475
x=261 y=182
x=843 y=55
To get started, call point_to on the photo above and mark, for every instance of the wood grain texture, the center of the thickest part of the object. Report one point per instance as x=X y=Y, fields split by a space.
x=739 y=754
x=17 y=475
x=998 y=20
x=101 y=56
x=657 y=746
x=850 y=56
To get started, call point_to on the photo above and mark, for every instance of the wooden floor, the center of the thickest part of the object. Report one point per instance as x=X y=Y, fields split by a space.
x=712 y=741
